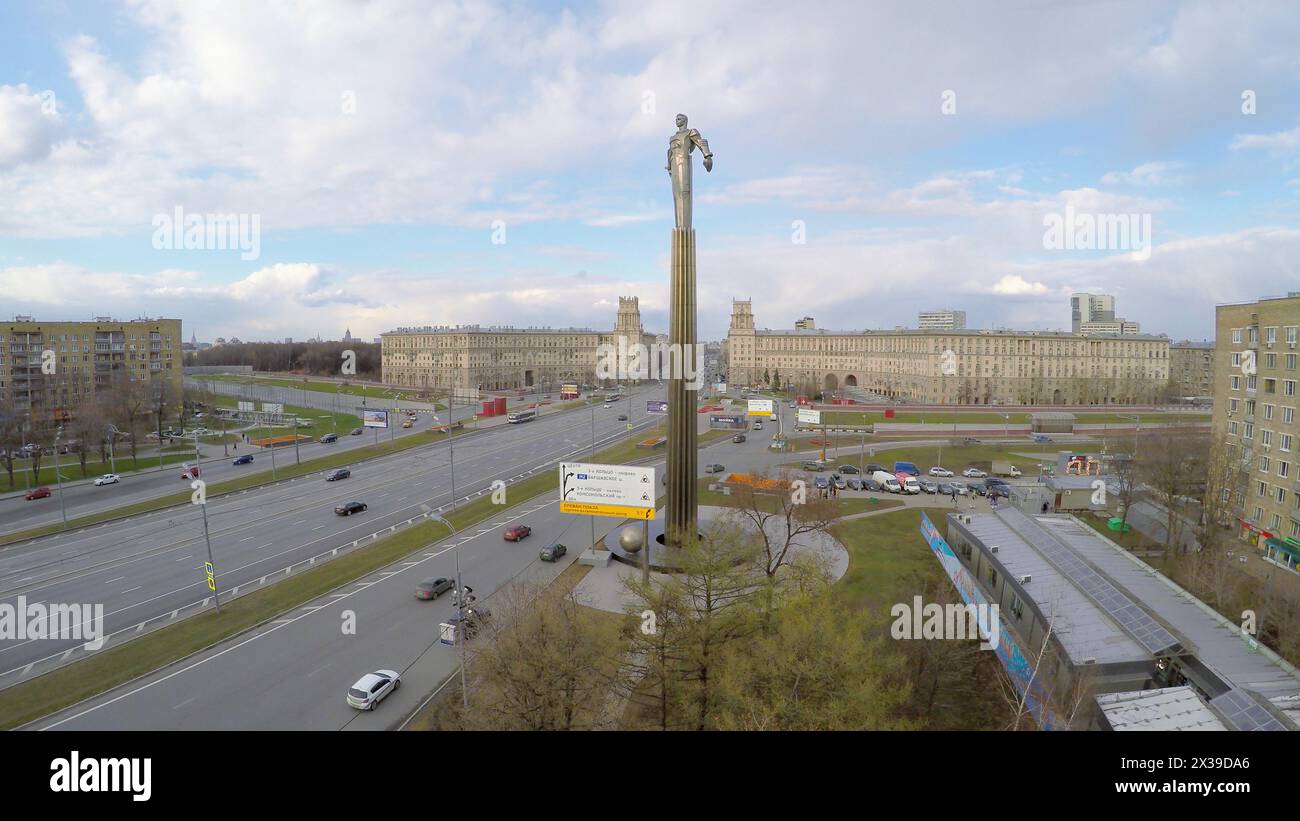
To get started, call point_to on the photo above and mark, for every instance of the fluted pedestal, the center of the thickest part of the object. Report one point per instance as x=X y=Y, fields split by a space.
x=683 y=455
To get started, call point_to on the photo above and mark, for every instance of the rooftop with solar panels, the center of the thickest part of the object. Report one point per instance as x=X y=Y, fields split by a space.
x=1150 y=654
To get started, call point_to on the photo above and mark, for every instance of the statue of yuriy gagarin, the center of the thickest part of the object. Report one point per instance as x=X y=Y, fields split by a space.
x=680 y=146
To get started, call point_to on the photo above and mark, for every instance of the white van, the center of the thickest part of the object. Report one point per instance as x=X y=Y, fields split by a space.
x=911 y=485
x=888 y=481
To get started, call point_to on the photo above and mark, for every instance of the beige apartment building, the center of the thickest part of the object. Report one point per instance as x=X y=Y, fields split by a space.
x=1191 y=368
x=442 y=358
x=48 y=369
x=987 y=367
x=1255 y=388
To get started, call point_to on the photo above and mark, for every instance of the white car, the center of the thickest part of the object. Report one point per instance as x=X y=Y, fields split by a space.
x=372 y=688
x=940 y=472
x=107 y=479
x=974 y=473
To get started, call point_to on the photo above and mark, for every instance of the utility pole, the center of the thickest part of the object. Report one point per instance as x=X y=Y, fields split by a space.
x=58 y=475
x=296 y=458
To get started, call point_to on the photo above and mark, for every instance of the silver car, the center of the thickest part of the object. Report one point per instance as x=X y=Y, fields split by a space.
x=373 y=688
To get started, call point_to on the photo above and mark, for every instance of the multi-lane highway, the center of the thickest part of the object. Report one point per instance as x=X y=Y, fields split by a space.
x=83 y=498
x=300 y=666
x=150 y=566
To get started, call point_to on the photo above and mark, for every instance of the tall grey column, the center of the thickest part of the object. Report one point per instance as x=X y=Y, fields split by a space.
x=683 y=455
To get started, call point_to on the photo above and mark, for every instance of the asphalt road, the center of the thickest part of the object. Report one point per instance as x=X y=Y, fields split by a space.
x=150 y=566
x=83 y=498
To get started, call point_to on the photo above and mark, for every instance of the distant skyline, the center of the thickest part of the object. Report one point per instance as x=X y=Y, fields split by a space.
x=489 y=163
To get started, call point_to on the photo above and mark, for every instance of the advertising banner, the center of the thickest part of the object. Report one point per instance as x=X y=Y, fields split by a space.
x=374 y=418
x=760 y=407
x=808 y=416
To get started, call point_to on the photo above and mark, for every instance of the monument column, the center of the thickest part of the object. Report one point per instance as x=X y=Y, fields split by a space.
x=683 y=380
x=683 y=452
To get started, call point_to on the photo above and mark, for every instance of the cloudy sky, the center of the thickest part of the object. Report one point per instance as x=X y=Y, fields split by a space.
x=420 y=163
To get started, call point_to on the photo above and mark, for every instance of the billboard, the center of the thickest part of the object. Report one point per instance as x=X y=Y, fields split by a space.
x=738 y=422
x=624 y=491
x=246 y=406
x=465 y=394
x=808 y=416
x=656 y=406
x=760 y=407
x=374 y=418
x=270 y=407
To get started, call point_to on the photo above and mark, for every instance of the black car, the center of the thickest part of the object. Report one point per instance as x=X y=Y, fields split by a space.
x=854 y=483
x=328 y=438
x=622 y=417
x=243 y=460
x=348 y=508
x=871 y=485
x=998 y=490
x=552 y=552
x=873 y=467
x=433 y=588
x=336 y=474
x=358 y=431
x=847 y=470
x=738 y=438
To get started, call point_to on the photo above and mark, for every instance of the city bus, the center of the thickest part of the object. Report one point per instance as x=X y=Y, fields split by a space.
x=521 y=416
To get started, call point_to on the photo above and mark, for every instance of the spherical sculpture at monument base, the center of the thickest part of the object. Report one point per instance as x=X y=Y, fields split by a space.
x=631 y=538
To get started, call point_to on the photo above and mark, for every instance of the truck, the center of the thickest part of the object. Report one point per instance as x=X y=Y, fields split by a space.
x=888 y=481
x=1005 y=468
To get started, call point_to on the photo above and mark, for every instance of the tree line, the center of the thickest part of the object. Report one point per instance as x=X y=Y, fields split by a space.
x=315 y=358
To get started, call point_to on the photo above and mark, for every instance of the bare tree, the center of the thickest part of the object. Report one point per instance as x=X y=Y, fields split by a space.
x=1172 y=464
x=781 y=512
x=87 y=431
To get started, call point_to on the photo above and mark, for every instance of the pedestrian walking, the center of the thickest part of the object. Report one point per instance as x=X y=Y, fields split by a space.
x=954 y=498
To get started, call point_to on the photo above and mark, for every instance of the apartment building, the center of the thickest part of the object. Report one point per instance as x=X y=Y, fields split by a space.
x=492 y=358
x=48 y=369
x=1191 y=368
x=1256 y=375
x=969 y=367
x=942 y=320
x=1095 y=313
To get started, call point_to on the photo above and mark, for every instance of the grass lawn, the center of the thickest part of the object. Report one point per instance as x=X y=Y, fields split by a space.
x=322 y=421
x=738 y=498
x=368 y=391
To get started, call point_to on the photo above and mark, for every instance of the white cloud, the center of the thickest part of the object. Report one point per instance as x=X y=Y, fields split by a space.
x=1151 y=173
x=28 y=125
x=1013 y=285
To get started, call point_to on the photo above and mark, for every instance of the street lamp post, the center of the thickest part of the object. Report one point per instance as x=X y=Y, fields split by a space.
x=58 y=475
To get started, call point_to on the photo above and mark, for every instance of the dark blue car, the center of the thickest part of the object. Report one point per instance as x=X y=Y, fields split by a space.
x=243 y=460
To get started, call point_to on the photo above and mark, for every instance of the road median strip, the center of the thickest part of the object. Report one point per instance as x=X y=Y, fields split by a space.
x=147 y=652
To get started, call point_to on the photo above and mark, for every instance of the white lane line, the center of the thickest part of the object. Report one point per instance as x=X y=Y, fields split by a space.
x=319 y=527
x=183 y=558
x=268 y=544
x=278 y=624
x=183 y=703
x=246 y=539
x=132 y=590
x=118 y=579
x=301 y=522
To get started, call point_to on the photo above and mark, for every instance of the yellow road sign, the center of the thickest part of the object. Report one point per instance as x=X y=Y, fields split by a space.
x=619 y=511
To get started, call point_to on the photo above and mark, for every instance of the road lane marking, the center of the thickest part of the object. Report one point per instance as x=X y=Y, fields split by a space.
x=118 y=579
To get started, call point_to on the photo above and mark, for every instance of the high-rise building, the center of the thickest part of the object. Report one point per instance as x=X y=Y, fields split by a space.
x=805 y=324
x=49 y=369
x=941 y=320
x=1095 y=314
x=1085 y=307
x=494 y=358
x=988 y=367
x=1256 y=375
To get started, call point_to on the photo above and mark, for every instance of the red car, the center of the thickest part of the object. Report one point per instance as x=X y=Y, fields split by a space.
x=189 y=471
x=37 y=493
x=518 y=533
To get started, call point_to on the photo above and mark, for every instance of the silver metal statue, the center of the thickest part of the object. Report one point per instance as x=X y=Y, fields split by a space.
x=680 y=146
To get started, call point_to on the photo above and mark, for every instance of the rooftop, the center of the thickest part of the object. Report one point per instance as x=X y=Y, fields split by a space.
x=941 y=332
